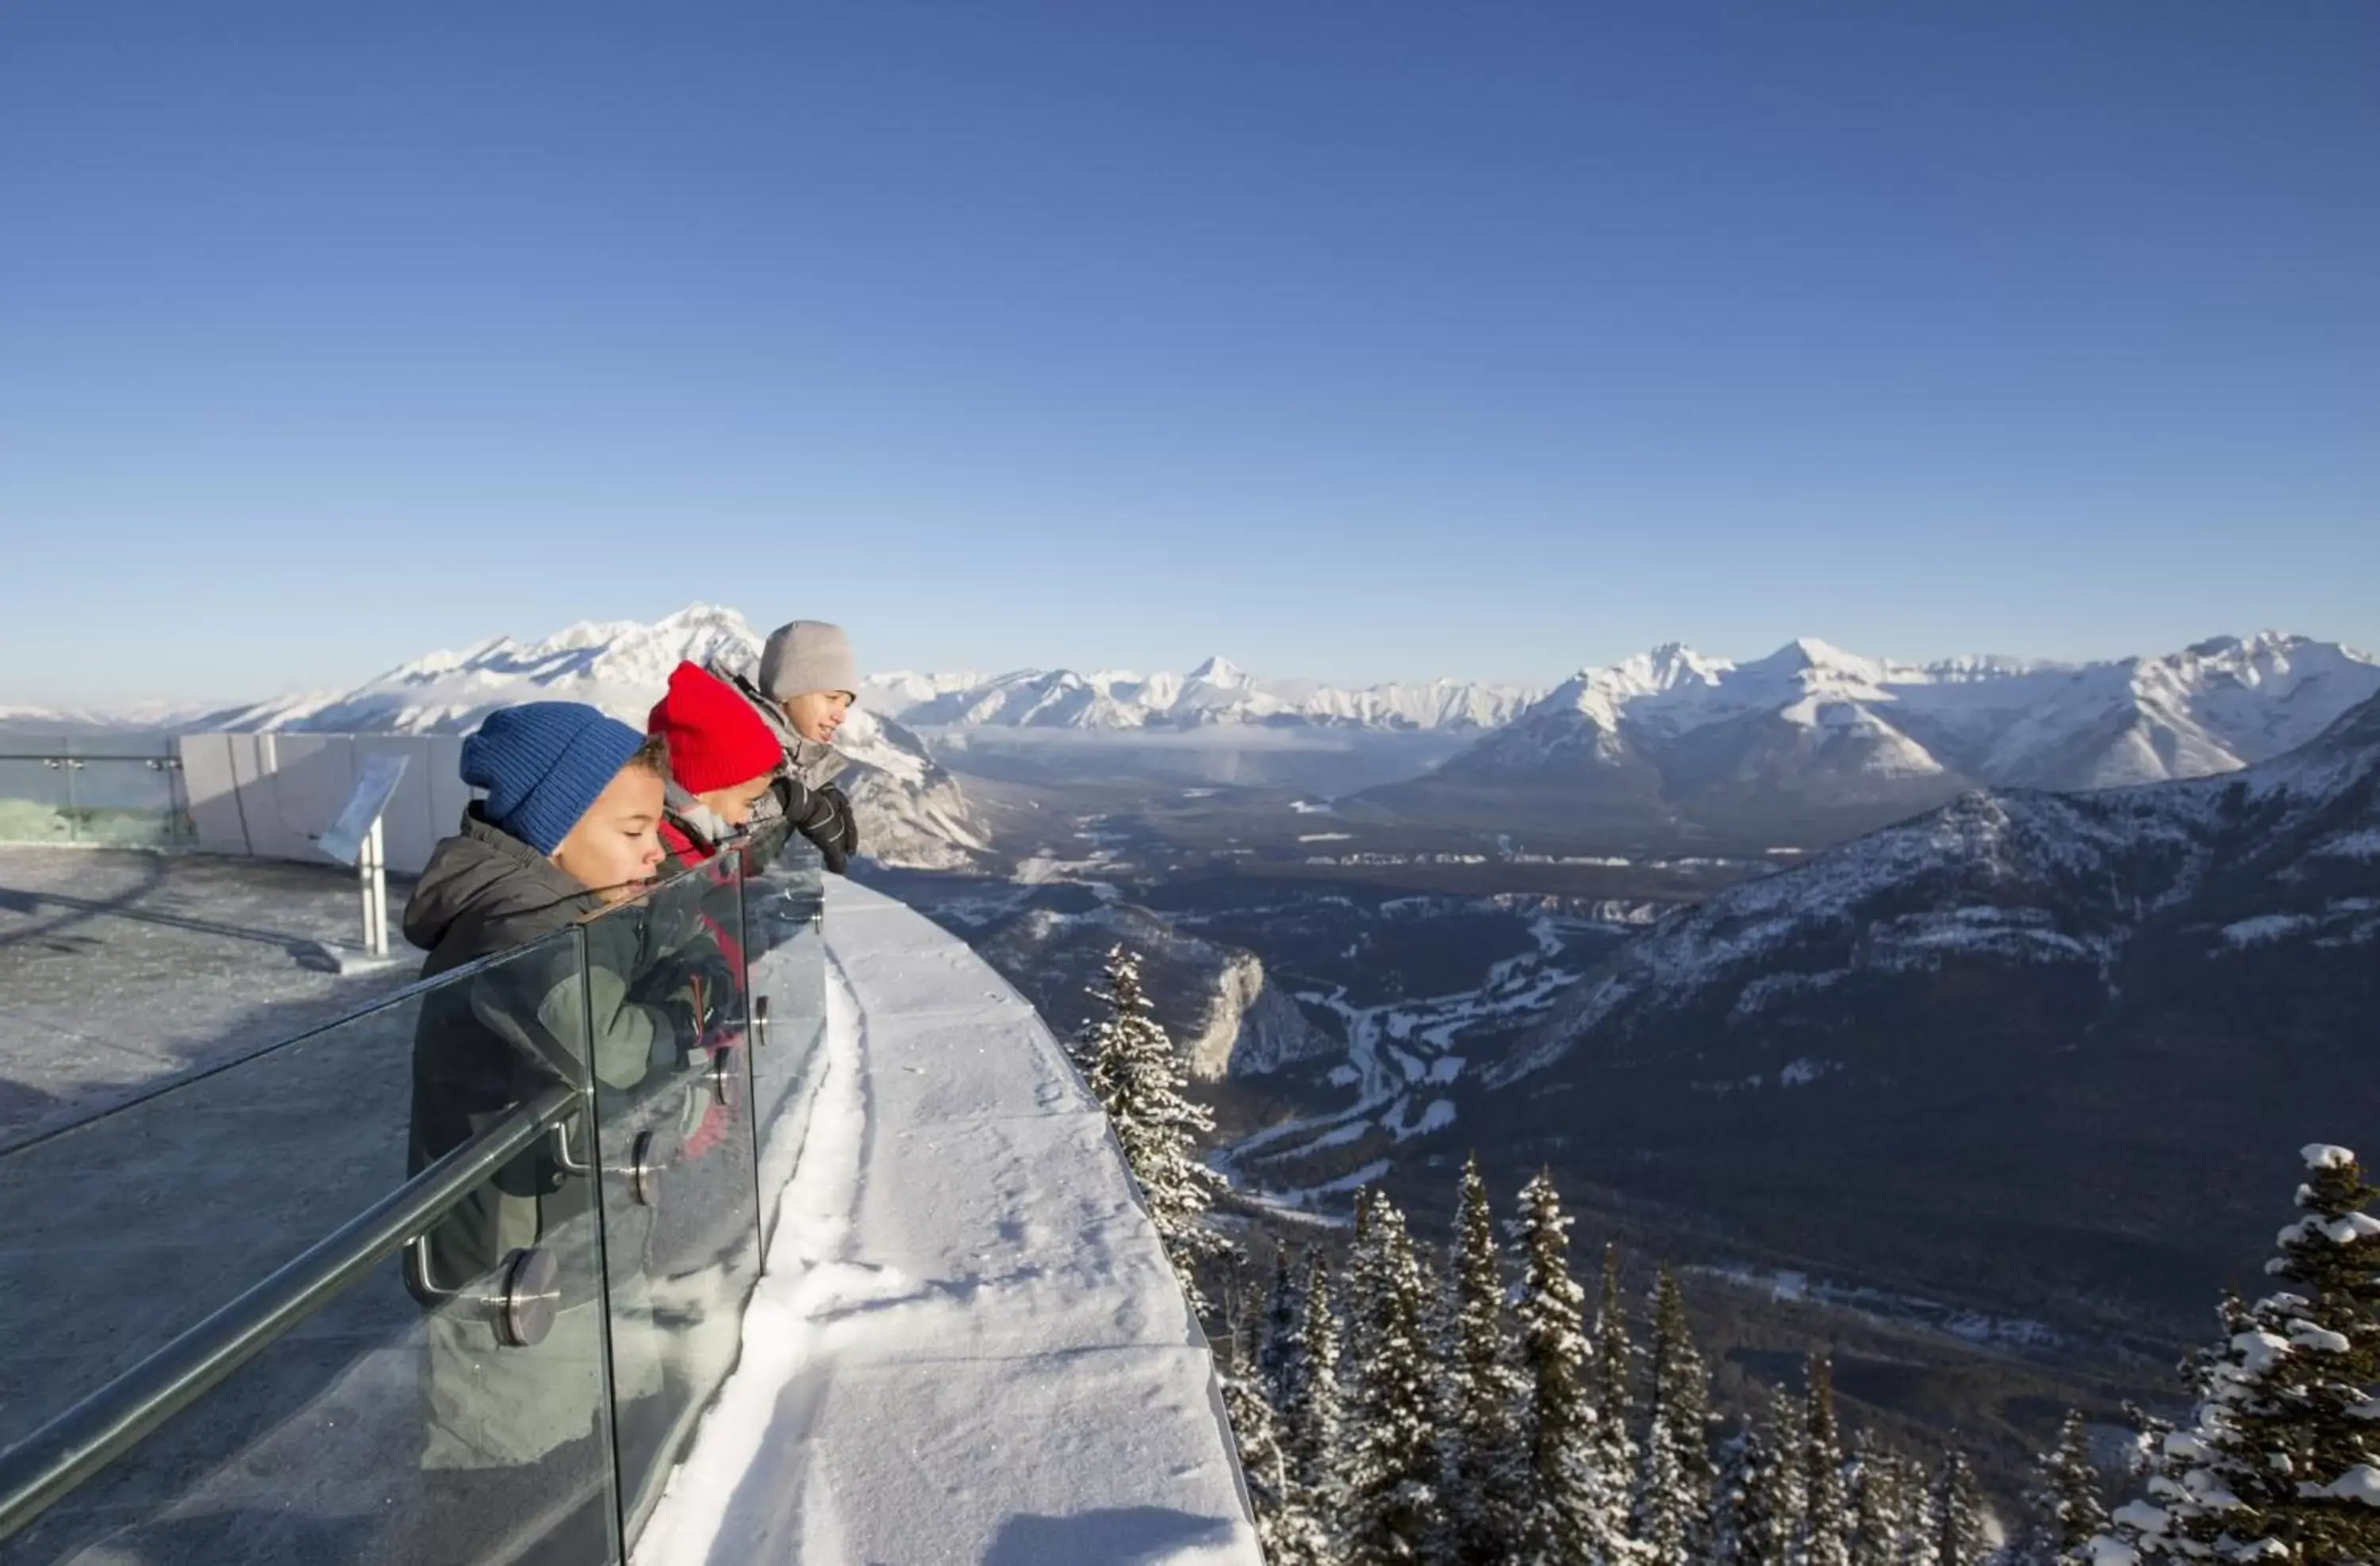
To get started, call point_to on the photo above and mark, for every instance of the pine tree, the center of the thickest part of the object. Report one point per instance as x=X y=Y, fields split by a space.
x=2139 y=1527
x=2194 y=1485
x=1309 y=1397
x=1741 y=1458
x=1483 y=1391
x=1615 y=1373
x=1389 y=1498
x=2280 y=1460
x=1767 y=1526
x=1921 y=1538
x=1567 y=1504
x=2069 y=1514
x=1922 y=1544
x=1281 y=1344
x=1287 y=1529
x=1880 y=1516
x=1139 y=1079
x=2316 y=1424
x=1958 y=1515
x=1826 y=1522
x=1673 y=1506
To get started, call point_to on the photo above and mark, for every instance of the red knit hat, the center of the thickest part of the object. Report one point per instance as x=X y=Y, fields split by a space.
x=715 y=738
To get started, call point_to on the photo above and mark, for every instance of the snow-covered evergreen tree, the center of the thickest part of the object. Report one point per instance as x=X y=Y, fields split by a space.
x=1139 y=1078
x=1287 y=1529
x=1389 y=1506
x=1878 y=1499
x=1615 y=1375
x=1741 y=1456
x=1569 y=1508
x=2319 y=1417
x=1674 y=1499
x=1921 y=1538
x=2136 y=1530
x=2194 y=1486
x=2068 y=1514
x=1280 y=1341
x=1483 y=1391
x=2281 y=1459
x=1764 y=1489
x=1826 y=1515
x=1309 y=1394
x=1958 y=1515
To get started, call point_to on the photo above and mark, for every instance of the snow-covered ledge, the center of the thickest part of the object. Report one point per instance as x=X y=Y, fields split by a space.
x=968 y=1346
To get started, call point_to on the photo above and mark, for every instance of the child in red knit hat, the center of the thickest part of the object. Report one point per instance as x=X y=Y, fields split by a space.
x=722 y=756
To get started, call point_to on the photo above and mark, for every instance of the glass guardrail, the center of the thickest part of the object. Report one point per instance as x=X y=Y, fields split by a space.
x=115 y=791
x=509 y=1377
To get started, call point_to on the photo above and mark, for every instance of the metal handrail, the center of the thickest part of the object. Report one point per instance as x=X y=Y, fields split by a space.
x=48 y=1464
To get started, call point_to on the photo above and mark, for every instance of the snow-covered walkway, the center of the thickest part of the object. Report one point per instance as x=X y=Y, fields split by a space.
x=968 y=1346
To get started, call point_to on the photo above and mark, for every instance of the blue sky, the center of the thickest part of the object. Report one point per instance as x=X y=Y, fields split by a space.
x=1362 y=342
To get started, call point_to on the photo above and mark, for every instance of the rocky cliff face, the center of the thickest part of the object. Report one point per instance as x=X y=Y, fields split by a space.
x=1251 y=1026
x=1216 y=1002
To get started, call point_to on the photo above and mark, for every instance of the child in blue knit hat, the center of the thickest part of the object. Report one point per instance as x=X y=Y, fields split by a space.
x=583 y=792
x=568 y=827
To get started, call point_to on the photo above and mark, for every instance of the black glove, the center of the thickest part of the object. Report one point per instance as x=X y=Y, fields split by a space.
x=826 y=819
x=692 y=989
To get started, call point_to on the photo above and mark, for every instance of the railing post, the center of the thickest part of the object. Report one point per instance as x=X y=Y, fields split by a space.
x=67 y=765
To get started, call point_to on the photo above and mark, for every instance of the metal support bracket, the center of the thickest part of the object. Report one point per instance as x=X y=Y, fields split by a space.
x=642 y=1172
x=521 y=1297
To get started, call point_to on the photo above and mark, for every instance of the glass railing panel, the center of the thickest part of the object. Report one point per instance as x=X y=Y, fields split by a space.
x=130 y=802
x=666 y=1000
x=34 y=804
x=783 y=904
x=391 y=1424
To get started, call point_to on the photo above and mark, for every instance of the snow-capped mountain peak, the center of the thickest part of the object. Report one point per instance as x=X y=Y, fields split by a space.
x=1813 y=731
x=1220 y=671
x=1815 y=662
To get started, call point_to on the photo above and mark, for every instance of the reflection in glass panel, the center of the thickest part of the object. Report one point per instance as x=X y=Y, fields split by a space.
x=781 y=932
x=666 y=1001
x=130 y=802
x=34 y=805
x=390 y=1425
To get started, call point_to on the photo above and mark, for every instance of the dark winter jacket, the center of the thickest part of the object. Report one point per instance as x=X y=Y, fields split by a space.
x=486 y=1042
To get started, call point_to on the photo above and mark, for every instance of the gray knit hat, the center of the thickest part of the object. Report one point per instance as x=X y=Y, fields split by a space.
x=805 y=656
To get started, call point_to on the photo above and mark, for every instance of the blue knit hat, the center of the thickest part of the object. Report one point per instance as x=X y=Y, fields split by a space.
x=542 y=765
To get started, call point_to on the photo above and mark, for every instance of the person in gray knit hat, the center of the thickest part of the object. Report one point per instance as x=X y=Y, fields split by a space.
x=803 y=688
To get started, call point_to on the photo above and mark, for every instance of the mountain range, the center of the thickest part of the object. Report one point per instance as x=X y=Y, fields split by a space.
x=2084 y=1029
x=1216 y=693
x=1812 y=743
x=1800 y=749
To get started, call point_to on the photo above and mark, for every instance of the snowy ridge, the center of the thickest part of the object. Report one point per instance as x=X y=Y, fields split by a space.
x=1215 y=693
x=2019 y=876
x=967 y=1344
x=911 y=810
x=37 y=720
x=1680 y=720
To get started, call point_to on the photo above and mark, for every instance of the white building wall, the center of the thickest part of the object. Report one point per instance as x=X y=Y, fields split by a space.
x=271 y=795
